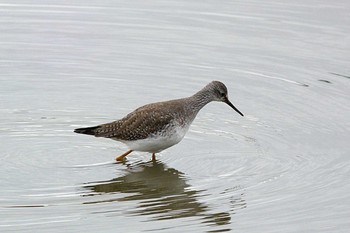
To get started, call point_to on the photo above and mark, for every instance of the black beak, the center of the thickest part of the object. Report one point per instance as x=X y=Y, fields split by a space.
x=232 y=106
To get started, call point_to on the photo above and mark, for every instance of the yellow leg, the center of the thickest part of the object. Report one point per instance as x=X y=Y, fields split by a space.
x=154 y=157
x=120 y=158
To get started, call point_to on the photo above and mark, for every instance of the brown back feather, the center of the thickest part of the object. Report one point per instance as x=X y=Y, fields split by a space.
x=141 y=123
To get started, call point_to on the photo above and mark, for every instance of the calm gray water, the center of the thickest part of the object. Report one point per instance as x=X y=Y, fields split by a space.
x=284 y=167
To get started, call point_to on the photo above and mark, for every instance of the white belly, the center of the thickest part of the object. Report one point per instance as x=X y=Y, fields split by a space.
x=158 y=142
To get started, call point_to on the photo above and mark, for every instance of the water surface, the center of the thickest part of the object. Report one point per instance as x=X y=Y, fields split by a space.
x=284 y=167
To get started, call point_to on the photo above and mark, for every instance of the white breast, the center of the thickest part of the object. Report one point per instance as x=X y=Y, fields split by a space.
x=158 y=142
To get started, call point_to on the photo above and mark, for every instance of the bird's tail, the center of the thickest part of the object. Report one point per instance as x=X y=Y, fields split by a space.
x=87 y=130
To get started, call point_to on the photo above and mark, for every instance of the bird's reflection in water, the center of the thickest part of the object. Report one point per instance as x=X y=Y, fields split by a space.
x=162 y=193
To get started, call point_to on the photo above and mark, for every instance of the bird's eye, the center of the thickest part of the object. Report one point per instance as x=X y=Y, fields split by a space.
x=222 y=94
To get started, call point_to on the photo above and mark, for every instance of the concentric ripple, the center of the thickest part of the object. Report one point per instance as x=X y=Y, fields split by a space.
x=284 y=167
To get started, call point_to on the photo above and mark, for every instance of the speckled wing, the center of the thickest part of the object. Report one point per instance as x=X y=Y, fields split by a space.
x=143 y=122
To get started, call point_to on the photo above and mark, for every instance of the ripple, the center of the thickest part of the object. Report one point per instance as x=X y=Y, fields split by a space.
x=282 y=168
x=270 y=77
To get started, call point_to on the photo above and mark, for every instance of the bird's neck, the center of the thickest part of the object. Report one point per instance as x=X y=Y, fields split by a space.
x=199 y=100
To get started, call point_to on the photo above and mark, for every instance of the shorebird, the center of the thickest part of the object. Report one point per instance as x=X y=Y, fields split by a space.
x=157 y=126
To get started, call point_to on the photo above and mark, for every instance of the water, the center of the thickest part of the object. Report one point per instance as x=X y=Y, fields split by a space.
x=284 y=167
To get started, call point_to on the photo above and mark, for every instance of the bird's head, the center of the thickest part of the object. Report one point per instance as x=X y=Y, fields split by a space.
x=219 y=93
